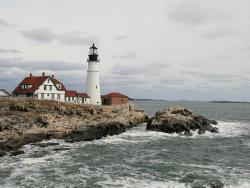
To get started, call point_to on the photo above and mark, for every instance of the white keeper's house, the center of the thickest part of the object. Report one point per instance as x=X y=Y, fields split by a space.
x=48 y=88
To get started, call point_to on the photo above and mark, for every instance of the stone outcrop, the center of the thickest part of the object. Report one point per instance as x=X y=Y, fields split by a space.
x=27 y=121
x=180 y=120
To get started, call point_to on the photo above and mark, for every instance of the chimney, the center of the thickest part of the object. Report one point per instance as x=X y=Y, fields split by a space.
x=53 y=76
x=43 y=74
x=30 y=74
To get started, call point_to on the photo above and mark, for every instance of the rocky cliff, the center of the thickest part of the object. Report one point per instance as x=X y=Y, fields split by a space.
x=25 y=121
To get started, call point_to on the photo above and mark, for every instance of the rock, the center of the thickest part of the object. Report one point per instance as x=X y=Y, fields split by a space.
x=46 y=144
x=17 y=152
x=2 y=153
x=96 y=131
x=41 y=121
x=214 y=130
x=61 y=149
x=213 y=122
x=216 y=184
x=180 y=120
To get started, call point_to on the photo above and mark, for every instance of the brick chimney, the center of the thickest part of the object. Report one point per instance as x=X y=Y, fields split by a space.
x=30 y=74
x=43 y=74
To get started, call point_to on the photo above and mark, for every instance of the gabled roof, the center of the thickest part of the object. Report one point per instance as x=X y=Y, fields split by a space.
x=115 y=95
x=36 y=82
x=55 y=81
x=4 y=91
x=83 y=95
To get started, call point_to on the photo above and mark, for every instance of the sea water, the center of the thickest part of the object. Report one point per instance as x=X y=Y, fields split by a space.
x=140 y=158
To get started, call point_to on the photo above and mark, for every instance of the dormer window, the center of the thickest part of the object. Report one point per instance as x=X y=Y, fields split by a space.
x=59 y=86
x=25 y=86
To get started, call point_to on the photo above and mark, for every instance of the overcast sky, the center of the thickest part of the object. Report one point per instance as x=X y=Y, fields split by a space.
x=161 y=49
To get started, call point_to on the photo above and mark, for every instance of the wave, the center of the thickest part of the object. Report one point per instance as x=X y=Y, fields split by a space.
x=135 y=183
x=226 y=129
x=140 y=134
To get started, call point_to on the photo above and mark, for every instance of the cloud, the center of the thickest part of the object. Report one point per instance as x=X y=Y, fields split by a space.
x=69 y=38
x=77 y=38
x=217 y=34
x=4 y=24
x=34 y=65
x=192 y=13
x=121 y=37
x=3 y=51
x=40 y=35
x=128 y=55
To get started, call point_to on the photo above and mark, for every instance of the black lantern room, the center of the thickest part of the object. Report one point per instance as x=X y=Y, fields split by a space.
x=93 y=54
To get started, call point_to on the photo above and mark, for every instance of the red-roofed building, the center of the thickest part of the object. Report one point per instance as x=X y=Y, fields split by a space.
x=78 y=98
x=42 y=87
x=48 y=88
x=83 y=98
x=114 y=98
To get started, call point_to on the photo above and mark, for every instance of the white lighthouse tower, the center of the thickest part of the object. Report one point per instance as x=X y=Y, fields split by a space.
x=93 y=80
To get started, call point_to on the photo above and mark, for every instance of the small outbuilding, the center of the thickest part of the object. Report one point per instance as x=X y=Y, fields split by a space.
x=114 y=98
x=4 y=94
x=78 y=98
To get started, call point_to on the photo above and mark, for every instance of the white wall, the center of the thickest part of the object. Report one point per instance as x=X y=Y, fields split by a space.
x=77 y=100
x=93 y=83
x=50 y=90
x=71 y=99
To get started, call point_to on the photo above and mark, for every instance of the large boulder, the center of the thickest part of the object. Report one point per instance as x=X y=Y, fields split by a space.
x=180 y=120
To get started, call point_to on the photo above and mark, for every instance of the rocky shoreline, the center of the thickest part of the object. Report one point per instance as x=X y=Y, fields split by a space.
x=26 y=121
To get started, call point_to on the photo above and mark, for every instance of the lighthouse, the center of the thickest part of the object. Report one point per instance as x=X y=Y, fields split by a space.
x=93 y=80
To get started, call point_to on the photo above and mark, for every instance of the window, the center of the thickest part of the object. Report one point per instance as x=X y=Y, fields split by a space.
x=58 y=96
x=52 y=96
x=50 y=88
x=42 y=96
x=48 y=80
x=59 y=86
x=47 y=95
x=69 y=99
x=44 y=87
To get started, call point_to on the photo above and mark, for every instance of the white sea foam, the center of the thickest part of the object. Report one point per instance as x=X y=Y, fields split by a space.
x=240 y=185
x=136 y=183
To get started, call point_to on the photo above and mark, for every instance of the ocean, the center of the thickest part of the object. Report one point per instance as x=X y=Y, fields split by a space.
x=140 y=158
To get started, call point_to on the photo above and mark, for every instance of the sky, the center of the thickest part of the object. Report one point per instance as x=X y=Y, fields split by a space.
x=158 y=49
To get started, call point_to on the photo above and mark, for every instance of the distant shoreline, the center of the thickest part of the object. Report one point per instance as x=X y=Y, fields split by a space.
x=240 y=102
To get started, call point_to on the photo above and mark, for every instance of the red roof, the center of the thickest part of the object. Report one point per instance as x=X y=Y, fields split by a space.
x=36 y=82
x=70 y=93
x=115 y=95
x=83 y=95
